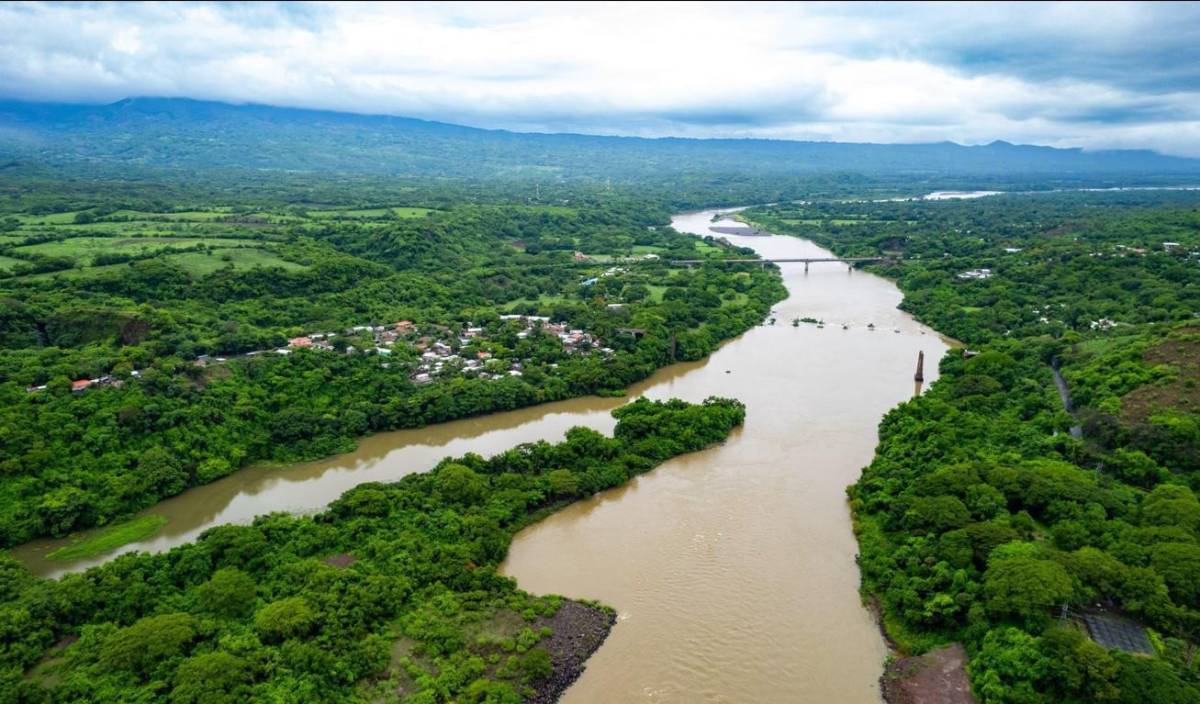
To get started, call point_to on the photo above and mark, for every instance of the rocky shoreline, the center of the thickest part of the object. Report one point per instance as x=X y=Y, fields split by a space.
x=937 y=677
x=742 y=230
x=578 y=631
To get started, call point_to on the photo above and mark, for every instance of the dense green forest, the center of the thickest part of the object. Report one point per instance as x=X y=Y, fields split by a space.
x=983 y=518
x=391 y=594
x=189 y=327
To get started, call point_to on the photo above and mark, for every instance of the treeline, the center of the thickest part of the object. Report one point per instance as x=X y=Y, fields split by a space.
x=980 y=519
x=391 y=594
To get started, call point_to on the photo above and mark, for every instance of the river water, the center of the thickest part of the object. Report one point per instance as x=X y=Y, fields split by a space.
x=732 y=569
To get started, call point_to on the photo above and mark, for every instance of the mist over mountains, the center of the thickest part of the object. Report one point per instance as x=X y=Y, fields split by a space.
x=184 y=134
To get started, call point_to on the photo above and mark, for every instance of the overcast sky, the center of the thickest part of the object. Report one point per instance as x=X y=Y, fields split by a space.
x=1091 y=75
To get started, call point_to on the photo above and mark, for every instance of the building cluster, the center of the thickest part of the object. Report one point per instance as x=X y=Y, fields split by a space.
x=573 y=340
x=440 y=351
x=975 y=274
x=1173 y=247
x=611 y=271
x=78 y=385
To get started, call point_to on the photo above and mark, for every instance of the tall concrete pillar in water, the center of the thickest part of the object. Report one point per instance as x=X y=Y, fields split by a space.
x=920 y=375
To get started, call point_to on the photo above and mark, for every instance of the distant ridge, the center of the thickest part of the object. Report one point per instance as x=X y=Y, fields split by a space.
x=195 y=134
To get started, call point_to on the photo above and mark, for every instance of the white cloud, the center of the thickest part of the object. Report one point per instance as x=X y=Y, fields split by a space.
x=1085 y=75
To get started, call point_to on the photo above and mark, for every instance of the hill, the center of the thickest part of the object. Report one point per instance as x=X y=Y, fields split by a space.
x=183 y=134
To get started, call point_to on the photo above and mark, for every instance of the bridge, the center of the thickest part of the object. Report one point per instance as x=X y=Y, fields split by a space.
x=849 y=261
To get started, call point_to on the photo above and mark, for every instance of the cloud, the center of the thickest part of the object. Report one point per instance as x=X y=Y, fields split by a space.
x=1091 y=75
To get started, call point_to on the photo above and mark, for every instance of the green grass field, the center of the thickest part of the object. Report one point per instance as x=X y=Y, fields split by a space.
x=1103 y=345
x=201 y=264
x=739 y=299
x=131 y=229
x=551 y=209
x=182 y=216
x=196 y=263
x=544 y=300
x=8 y=262
x=51 y=219
x=111 y=538
x=83 y=247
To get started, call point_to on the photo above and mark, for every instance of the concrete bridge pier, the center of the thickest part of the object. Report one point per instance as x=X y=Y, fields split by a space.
x=805 y=267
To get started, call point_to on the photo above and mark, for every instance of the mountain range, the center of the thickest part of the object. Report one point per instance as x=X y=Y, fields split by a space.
x=185 y=134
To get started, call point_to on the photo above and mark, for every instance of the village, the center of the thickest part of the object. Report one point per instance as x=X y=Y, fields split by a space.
x=441 y=352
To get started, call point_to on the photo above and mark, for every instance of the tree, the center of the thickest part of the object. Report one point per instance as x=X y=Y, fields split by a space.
x=1179 y=565
x=212 y=678
x=60 y=510
x=212 y=469
x=1008 y=667
x=460 y=484
x=145 y=644
x=535 y=665
x=1152 y=681
x=937 y=513
x=1135 y=467
x=283 y=619
x=1171 y=505
x=230 y=593
x=159 y=472
x=1077 y=667
x=562 y=482
x=1026 y=588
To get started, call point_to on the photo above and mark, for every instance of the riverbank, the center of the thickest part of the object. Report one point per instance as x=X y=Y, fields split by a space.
x=577 y=629
x=937 y=677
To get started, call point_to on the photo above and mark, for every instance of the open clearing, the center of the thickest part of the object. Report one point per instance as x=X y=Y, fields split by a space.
x=90 y=246
x=196 y=263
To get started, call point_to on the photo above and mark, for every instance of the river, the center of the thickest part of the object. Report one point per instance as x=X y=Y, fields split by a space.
x=732 y=569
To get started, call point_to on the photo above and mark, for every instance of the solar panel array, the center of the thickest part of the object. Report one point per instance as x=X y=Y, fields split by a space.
x=1118 y=633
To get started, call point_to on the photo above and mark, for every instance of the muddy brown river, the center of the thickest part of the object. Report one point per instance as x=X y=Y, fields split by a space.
x=732 y=570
